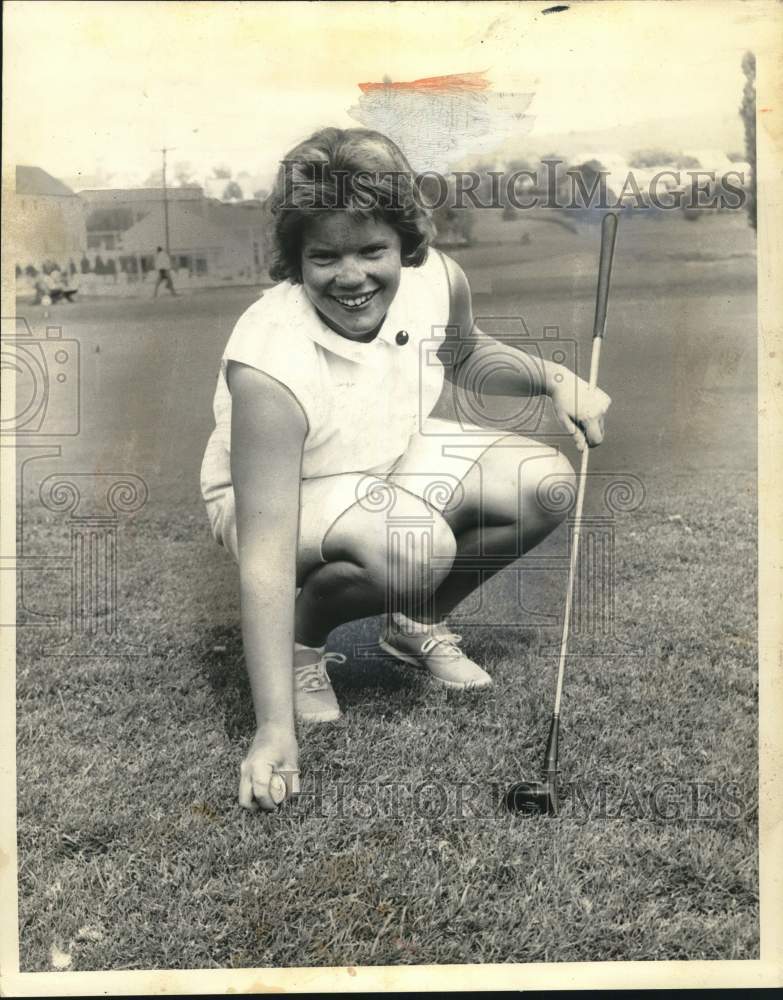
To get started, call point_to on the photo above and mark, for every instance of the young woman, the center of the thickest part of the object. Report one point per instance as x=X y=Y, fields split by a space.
x=327 y=478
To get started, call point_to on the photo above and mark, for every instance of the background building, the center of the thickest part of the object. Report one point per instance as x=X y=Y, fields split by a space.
x=106 y=239
x=111 y=212
x=209 y=243
x=47 y=220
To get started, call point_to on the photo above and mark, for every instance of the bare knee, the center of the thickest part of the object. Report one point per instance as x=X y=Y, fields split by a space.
x=406 y=551
x=555 y=488
x=418 y=559
x=344 y=575
x=412 y=560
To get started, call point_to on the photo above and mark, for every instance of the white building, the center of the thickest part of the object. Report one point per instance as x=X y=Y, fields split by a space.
x=47 y=222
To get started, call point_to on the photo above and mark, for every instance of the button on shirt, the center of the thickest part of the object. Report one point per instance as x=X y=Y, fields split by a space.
x=362 y=400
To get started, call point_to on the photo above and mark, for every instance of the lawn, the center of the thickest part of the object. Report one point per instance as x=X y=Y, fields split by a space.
x=133 y=852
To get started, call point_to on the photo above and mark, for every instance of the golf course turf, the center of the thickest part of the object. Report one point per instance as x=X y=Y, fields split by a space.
x=133 y=852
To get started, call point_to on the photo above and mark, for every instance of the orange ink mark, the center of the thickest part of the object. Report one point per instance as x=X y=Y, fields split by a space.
x=455 y=82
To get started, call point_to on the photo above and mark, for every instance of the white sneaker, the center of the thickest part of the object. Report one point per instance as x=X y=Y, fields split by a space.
x=437 y=651
x=314 y=699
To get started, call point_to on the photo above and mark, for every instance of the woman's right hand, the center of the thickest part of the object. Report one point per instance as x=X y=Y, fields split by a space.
x=269 y=774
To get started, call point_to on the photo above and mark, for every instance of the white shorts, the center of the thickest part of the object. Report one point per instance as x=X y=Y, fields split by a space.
x=437 y=459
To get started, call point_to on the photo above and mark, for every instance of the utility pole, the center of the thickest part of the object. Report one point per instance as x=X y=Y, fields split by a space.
x=166 y=149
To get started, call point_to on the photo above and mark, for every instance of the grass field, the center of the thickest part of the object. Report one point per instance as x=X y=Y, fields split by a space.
x=133 y=852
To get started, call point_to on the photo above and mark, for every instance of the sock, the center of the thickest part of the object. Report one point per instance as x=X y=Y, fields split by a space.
x=299 y=647
x=411 y=627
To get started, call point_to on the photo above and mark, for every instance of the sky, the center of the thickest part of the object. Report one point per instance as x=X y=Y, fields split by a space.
x=102 y=86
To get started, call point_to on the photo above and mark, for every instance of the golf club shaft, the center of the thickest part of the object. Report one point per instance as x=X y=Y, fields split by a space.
x=580 y=499
x=608 y=235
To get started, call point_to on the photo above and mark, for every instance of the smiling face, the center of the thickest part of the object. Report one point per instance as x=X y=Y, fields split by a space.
x=351 y=271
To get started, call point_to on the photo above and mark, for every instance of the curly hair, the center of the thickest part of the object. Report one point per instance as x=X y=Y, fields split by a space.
x=353 y=170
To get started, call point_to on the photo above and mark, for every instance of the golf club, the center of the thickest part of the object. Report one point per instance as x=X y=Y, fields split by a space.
x=541 y=797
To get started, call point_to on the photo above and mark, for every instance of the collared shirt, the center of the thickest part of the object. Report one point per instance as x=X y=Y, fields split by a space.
x=362 y=401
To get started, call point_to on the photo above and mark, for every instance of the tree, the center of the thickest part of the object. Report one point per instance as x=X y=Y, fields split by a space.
x=155 y=180
x=484 y=188
x=587 y=184
x=747 y=112
x=183 y=172
x=647 y=158
x=232 y=192
x=222 y=172
x=454 y=226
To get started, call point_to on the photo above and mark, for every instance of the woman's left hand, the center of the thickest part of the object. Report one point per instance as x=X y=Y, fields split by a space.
x=581 y=410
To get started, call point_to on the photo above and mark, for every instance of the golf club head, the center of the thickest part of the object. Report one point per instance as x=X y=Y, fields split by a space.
x=533 y=798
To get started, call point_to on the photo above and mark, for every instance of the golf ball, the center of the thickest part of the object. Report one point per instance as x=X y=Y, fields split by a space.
x=277 y=789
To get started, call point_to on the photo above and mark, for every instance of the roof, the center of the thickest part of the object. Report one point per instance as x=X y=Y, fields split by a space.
x=187 y=231
x=35 y=181
x=114 y=195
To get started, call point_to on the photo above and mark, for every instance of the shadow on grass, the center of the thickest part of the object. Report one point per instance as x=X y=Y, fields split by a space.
x=368 y=679
x=369 y=682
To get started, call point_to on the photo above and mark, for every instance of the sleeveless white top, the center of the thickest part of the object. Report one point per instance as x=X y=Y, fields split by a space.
x=362 y=401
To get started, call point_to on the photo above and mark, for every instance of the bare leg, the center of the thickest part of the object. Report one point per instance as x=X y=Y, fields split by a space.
x=361 y=576
x=492 y=497
x=359 y=581
x=331 y=595
x=493 y=545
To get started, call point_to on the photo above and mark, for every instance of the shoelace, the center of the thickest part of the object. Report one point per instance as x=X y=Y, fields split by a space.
x=448 y=639
x=313 y=676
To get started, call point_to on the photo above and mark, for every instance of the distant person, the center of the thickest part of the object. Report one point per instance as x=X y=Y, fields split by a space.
x=42 y=290
x=70 y=283
x=163 y=267
x=56 y=284
x=59 y=284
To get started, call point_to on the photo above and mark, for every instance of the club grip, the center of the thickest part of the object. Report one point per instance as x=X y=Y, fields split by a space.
x=608 y=236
